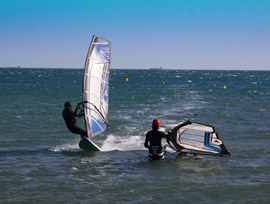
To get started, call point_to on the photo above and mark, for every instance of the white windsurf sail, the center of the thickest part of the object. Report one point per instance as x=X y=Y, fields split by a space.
x=96 y=86
x=198 y=138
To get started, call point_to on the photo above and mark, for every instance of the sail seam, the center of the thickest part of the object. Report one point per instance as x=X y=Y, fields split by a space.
x=102 y=62
x=90 y=75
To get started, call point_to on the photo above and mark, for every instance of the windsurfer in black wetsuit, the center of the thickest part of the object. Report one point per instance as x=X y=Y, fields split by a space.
x=69 y=117
x=154 y=137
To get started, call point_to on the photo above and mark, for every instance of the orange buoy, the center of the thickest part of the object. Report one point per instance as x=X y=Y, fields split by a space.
x=126 y=79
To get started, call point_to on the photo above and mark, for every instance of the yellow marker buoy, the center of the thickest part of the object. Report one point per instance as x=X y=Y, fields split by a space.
x=126 y=79
x=224 y=87
x=163 y=82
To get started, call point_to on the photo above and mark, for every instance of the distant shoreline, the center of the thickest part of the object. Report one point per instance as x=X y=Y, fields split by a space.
x=184 y=69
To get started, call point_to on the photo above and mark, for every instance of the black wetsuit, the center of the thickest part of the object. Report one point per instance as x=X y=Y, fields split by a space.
x=69 y=117
x=154 y=137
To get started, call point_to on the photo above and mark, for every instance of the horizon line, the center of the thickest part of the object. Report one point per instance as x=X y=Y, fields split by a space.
x=169 y=69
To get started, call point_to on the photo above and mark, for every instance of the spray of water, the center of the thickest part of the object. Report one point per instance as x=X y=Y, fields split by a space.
x=123 y=143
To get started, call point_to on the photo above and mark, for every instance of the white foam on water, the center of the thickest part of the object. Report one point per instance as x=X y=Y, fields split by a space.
x=172 y=125
x=74 y=168
x=66 y=147
x=123 y=143
x=162 y=129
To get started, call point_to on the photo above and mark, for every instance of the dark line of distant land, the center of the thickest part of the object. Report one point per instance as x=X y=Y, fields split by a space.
x=152 y=69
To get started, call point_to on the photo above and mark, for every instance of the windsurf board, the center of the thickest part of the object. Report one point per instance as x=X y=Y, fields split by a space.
x=88 y=145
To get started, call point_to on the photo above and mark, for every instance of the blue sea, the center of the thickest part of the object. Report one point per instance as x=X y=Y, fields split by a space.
x=40 y=161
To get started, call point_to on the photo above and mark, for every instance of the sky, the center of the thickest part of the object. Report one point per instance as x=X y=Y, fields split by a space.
x=174 y=34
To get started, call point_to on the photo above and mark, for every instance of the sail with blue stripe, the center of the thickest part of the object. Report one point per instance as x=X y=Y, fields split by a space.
x=197 y=138
x=96 y=86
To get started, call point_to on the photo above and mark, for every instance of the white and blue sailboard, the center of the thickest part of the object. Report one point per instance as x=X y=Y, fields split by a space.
x=96 y=91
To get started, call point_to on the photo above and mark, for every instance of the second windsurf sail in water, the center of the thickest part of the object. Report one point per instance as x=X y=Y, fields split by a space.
x=197 y=138
x=96 y=91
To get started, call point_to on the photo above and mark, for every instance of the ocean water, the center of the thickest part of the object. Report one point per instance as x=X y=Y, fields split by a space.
x=40 y=161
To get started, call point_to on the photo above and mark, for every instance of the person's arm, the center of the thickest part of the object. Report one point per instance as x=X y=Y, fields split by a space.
x=146 y=142
x=75 y=112
x=167 y=136
x=80 y=115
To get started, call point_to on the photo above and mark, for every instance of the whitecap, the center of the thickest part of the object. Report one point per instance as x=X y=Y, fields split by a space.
x=74 y=168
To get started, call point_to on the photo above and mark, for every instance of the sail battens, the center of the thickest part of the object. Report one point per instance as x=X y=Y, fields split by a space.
x=99 y=43
x=96 y=97
x=100 y=61
x=190 y=147
x=97 y=78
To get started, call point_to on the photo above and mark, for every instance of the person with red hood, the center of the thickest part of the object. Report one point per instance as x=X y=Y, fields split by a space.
x=153 y=141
